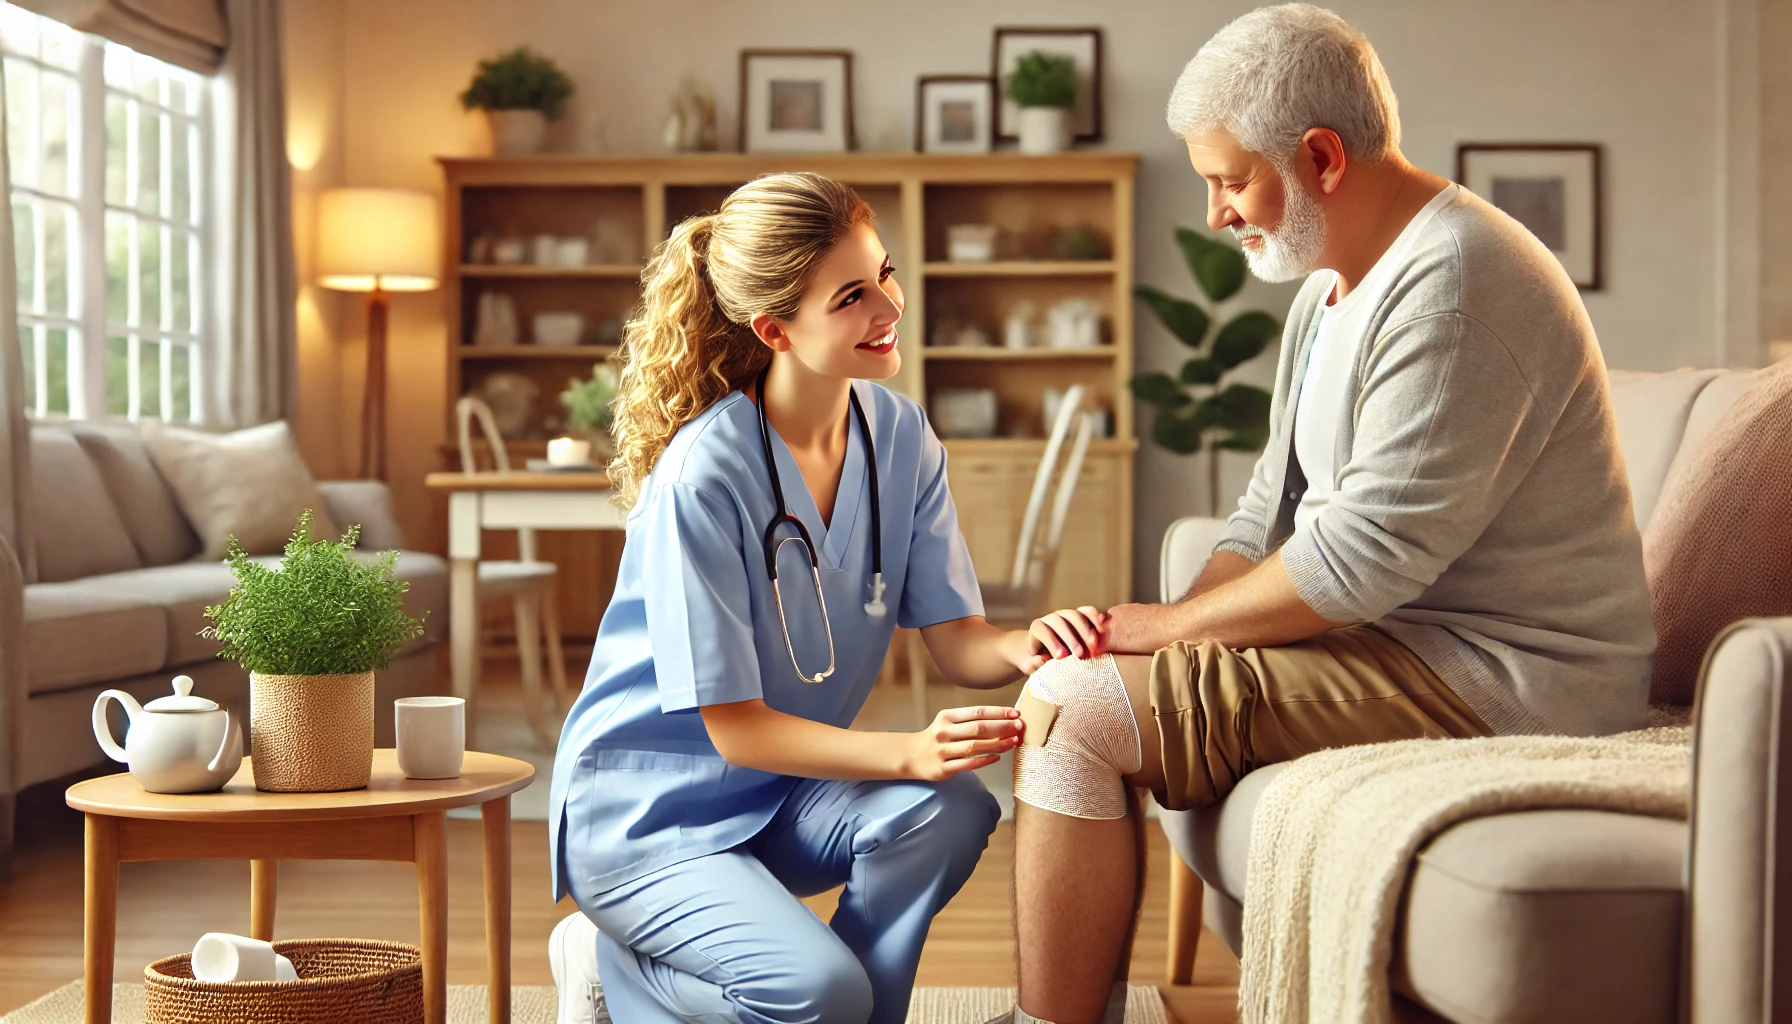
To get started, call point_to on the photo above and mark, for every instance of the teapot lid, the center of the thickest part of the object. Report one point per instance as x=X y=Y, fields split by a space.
x=181 y=699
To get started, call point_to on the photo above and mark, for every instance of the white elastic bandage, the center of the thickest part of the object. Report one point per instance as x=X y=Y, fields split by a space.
x=1093 y=742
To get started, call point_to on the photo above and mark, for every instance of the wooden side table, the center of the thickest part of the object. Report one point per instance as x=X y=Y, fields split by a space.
x=394 y=818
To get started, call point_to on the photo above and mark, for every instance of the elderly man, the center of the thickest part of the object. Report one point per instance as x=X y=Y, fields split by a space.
x=1437 y=541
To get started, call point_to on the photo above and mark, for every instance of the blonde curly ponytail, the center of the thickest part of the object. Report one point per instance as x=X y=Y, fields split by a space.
x=688 y=343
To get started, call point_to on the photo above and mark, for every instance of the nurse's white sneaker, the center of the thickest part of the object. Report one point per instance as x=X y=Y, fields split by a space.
x=572 y=955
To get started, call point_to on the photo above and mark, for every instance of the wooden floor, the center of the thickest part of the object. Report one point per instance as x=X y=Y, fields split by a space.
x=164 y=907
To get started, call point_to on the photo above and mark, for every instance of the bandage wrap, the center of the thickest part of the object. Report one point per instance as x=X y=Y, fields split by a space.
x=1093 y=743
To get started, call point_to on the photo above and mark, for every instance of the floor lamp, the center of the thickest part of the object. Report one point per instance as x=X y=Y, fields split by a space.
x=377 y=240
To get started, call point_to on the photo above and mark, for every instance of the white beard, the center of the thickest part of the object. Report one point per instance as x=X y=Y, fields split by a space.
x=1295 y=248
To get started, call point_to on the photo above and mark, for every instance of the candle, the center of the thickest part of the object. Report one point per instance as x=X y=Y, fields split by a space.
x=569 y=451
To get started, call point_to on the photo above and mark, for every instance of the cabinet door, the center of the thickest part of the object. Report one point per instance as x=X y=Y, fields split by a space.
x=990 y=504
x=1088 y=570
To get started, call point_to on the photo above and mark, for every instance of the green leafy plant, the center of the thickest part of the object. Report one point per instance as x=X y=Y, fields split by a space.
x=588 y=402
x=1201 y=406
x=323 y=611
x=518 y=80
x=1041 y=79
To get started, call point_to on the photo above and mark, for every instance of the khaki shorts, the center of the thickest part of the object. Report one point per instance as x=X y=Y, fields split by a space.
x=1222 y=713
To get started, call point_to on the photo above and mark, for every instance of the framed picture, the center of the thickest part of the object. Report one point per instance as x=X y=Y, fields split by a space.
x=796 y=101
x=1551 y=188
x=1082 y=45
x=953 y=113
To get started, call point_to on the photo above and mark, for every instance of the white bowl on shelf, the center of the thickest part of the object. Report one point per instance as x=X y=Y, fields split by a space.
x=963 y=412
x=559 y=329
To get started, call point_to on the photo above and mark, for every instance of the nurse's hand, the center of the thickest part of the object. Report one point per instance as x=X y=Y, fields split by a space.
x=1070 y=633
x=961 y=739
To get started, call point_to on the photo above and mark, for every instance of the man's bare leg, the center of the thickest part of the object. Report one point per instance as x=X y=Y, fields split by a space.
x=1077 y=885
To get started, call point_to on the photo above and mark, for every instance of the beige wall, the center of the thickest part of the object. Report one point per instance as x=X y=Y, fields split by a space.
x=1641 y=77
x=1776 y=159
x=314 y=125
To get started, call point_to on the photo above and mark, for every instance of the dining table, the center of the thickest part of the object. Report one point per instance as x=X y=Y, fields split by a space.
x=506 y=500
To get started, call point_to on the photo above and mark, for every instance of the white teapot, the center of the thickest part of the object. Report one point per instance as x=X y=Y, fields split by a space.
x=175 y=744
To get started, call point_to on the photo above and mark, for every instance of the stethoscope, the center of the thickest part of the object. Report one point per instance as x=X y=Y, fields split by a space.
x=874 y=607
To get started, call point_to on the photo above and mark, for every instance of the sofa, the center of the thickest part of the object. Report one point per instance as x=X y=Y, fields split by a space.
x=1565 y=915
x=119 y=602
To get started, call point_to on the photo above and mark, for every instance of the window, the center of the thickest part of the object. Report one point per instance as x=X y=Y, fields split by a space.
x=105 y=149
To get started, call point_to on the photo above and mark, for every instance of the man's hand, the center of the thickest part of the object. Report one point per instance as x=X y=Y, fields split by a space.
x=1141 y=628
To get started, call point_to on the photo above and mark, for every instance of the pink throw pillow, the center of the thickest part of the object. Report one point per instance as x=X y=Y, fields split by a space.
x=1720 y=546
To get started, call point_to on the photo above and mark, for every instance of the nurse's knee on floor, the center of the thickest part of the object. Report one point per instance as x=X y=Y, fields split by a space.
x=826 y=984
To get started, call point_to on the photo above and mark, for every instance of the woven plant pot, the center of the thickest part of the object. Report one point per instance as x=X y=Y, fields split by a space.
x=343 y=981
x=311 y=734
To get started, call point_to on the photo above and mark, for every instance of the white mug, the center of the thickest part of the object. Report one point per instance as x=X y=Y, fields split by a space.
x=220 y=956
x=432 y=736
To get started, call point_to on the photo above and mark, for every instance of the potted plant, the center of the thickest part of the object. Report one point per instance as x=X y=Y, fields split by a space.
x=1043 y=85
x=520 y=92
x=588 y=412
x=311 y=632
x=1202 y=407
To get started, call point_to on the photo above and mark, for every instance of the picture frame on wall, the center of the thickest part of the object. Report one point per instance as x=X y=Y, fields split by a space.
x=796 y=101
x=1082 y=45
x=954 y=113
x=1552 y=188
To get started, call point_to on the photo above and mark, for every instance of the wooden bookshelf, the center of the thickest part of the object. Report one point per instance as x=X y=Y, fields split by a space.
x=1033 y=201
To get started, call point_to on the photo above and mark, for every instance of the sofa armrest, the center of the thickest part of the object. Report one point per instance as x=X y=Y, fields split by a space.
x=1188 y=544
x=1739 y=886
x=12 y=689
x=369 y=503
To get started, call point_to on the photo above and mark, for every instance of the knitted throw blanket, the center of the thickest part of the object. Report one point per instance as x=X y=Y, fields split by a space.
x=1334 y=833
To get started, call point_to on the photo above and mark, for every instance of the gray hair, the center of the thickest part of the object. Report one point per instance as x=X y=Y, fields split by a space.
x=1273 y=74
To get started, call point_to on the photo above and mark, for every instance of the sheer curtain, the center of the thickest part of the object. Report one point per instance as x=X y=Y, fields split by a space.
x=253 y=372
x=15 y=509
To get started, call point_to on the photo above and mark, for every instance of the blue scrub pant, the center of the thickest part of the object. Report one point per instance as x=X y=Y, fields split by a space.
x=723 y=938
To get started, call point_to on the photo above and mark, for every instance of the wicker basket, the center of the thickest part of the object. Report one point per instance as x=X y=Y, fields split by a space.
x=342 y=981
x=311 y=734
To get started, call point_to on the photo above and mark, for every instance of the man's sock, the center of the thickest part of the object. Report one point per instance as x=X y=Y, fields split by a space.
x=1115 y=1013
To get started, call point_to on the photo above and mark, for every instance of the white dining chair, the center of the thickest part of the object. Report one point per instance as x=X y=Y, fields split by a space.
x=1023 y=595
x=527 y=581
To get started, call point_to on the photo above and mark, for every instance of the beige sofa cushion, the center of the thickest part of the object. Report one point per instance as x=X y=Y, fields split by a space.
x=1720 y=546
x=184 y=591
x=1652 y=410
x=1544 y=916
x=154 y=521
x=78 y=531
x=1536 y=916
x=86 y=631
x=250 y=484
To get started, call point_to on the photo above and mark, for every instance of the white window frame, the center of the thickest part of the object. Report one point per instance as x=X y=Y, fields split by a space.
x=94 y=327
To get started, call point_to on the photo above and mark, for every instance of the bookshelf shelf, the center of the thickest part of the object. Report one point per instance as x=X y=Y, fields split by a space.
x=1038 y=204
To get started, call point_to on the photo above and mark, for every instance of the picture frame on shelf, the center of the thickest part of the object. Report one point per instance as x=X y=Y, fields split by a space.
x=1554 y=189
x=796 y=101
x=1081 y=45
x=954 y=113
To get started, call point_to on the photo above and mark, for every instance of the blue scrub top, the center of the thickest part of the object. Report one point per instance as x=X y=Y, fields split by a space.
x=637 y=783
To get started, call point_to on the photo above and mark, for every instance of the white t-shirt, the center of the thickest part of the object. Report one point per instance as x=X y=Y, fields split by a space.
x=1324 y=391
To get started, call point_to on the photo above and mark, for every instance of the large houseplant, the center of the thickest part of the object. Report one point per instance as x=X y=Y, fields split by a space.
x=311 y=632
x=520 y=91
x=1202 y=407
x=1043 y=86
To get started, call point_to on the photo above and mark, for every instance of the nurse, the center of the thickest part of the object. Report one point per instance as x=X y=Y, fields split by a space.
x=705 y=778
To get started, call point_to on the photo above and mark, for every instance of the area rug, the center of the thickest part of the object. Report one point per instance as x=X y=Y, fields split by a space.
x=534 y=1004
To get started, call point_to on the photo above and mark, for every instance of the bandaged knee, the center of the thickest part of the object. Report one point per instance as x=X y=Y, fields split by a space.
x=1081 y=740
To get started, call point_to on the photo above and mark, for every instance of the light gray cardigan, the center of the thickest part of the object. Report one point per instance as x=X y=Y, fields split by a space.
x=1481 y=514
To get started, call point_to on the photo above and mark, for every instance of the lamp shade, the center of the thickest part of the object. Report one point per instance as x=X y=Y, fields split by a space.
x=385 y=238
